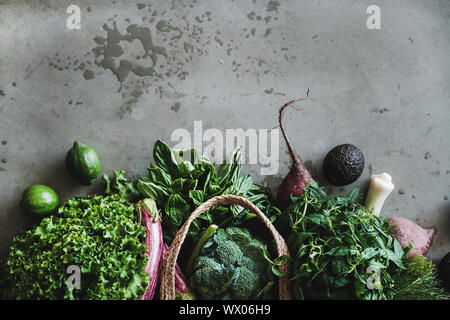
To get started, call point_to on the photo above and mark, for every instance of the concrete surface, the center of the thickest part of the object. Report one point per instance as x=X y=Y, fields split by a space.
x=230 y=64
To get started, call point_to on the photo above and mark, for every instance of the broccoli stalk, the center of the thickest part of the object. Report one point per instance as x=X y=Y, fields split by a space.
x=200 y=243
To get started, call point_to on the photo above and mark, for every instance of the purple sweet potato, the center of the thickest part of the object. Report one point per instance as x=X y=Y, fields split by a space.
x=408 y=232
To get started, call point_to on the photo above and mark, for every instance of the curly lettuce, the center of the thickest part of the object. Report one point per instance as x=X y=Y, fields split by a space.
x=99 y=234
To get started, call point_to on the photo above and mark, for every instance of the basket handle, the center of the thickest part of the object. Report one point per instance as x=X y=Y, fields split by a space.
x=167 y=290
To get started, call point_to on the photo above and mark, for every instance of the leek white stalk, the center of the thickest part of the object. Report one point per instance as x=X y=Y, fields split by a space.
x=380 y=187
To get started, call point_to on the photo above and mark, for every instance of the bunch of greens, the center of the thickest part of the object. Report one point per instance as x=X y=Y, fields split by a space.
x=180 y=181
x=341 y=250
x=419 y=281
x=100 y=235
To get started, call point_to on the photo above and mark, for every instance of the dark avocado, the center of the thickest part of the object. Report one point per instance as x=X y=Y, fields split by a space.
x=444 y=270
x=343 y=165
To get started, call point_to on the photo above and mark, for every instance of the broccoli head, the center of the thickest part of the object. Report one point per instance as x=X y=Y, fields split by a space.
x=231 y=265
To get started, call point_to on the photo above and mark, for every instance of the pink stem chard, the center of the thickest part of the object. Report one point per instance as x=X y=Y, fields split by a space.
x=149 y=215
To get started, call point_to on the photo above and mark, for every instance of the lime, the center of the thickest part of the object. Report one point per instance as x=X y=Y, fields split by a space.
x=39 y=200
x=83 y=163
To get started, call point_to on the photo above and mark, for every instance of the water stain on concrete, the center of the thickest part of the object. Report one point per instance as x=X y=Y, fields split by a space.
x=436 y=173
x=272 y=6
x=126 y=108
x=380 y=111
x=88 y=74
x=390 y=153
x=111 y=50
x=30 y=70
x=164 y=26
x=176 y=107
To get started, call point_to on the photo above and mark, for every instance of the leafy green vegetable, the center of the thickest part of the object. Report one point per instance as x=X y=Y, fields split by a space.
x=232 y=265
x=179 y=186
x=125 y=189
x=419 y=281
x=340 y=249
x=101 y=235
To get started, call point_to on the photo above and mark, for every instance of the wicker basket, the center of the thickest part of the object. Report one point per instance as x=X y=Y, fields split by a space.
x=167 y=290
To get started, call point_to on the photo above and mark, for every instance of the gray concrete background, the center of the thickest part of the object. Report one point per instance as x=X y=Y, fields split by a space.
x=230 y=64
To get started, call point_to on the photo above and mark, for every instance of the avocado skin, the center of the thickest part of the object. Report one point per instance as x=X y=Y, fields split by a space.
x=83 y=163
x=343 y=165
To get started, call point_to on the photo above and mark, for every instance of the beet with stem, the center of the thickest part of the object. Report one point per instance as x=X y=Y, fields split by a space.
x=298 y=177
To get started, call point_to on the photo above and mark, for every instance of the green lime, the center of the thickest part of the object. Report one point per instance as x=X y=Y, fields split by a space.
x=39 y=200
x=83 y=163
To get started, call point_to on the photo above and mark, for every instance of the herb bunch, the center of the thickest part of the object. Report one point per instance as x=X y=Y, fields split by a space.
x=340 y=249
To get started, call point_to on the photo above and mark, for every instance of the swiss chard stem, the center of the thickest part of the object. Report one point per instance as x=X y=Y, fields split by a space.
x=200 y=243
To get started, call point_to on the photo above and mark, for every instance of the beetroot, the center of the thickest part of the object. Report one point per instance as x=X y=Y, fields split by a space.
x=407 y=232
x=154 y=242
x=298 y=176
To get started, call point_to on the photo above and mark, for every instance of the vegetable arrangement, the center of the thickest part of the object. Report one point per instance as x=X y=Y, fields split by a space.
x=338 y=247
x=178 y=186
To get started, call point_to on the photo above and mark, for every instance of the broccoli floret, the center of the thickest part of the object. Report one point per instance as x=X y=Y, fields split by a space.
x=209 y=271
x=245 y=285
x=228 y=253
x=240 y=236
x=231 y=265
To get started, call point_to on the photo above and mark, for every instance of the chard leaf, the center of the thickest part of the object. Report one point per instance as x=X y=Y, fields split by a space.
x=243 y=185
x=197 y=197
x=159 y=176
x=166 y=159
x=231 y=168
x=153 y=190
x=176 y=208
